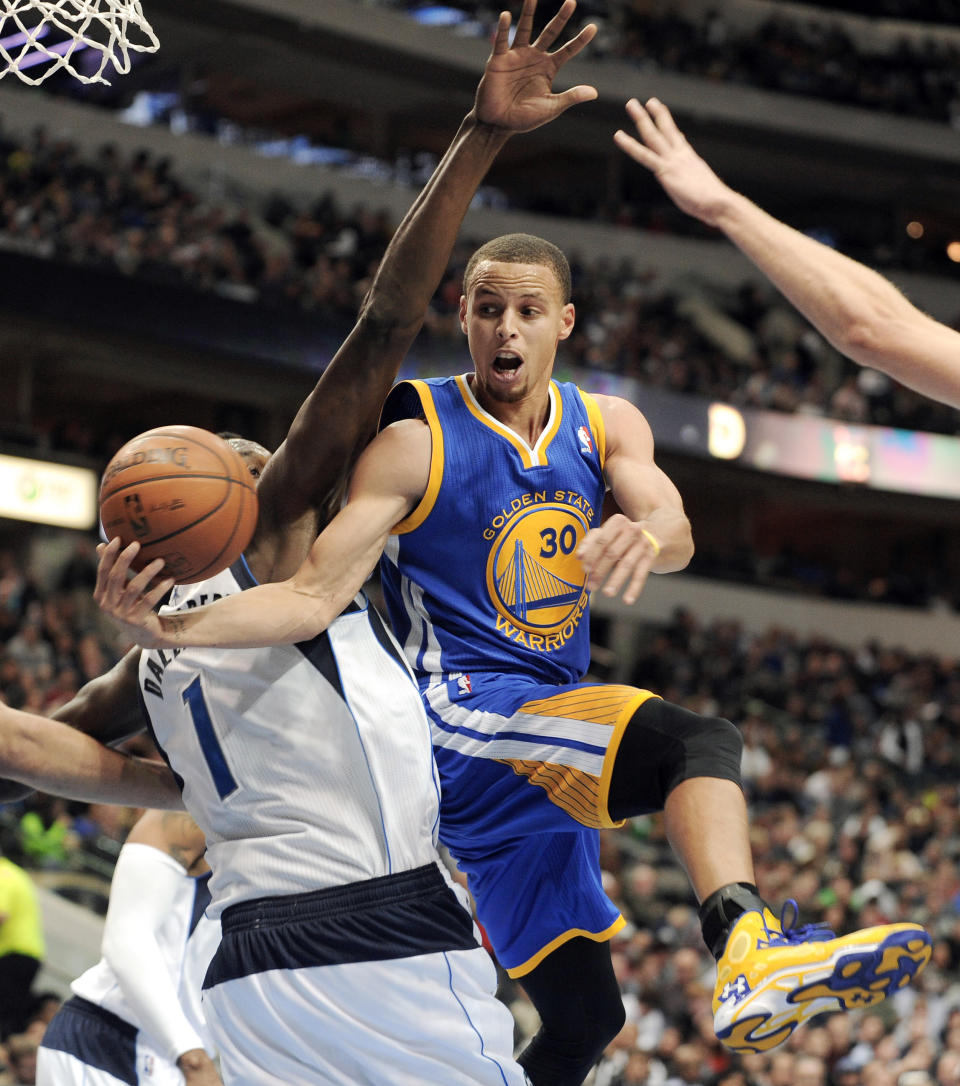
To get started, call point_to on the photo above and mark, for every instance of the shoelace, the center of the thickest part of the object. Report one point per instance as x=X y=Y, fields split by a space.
x=807 y=933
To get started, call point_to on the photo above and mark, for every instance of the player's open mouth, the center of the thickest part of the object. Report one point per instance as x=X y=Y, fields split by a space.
x=507 y=362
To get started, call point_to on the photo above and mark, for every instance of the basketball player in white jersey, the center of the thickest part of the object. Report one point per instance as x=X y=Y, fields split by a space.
x=135 y=1017
x=347 y=956
x=862 y=314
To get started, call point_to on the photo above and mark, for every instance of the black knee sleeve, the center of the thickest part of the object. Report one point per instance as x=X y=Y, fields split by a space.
x=577 y=996
x=664 y=744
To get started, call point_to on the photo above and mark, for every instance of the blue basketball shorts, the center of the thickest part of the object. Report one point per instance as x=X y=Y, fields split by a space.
x=525 y=773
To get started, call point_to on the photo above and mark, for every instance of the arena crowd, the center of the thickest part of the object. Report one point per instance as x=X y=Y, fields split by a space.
x=811 y=55
x=742 y=344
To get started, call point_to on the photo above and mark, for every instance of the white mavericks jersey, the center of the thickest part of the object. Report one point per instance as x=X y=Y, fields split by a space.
x=306 y=766
x=187 y=940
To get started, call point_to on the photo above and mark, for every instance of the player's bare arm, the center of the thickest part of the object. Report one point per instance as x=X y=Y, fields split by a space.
x=859 y=311
x=301 y=486
x=652 y=532
x=176 y=834
x=46 y=754
x=107 y=707
x=390 y=479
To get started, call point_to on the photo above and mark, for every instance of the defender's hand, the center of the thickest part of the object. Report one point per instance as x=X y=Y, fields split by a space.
x=131 y=602
x=665 y=152
x=198 y=1069
x=515 y=91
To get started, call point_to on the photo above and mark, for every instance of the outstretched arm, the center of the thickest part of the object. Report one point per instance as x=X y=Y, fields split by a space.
x=651 y=534
x=862 y=314
x=390 y=478
x=107 y=708
x=308 y=471
x=48 y=755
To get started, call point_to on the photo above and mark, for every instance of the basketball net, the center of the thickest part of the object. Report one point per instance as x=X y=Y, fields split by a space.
x=81 y=37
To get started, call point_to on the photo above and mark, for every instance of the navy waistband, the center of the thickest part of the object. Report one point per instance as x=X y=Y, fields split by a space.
x=115 y=1022
x=96 y=1038
x=393 y=916
x=353 y=897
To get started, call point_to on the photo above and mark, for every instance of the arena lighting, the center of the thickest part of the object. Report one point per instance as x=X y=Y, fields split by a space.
x=47 y=493
x=851 y=455
x=953 y=251
x=915 y=229
x=727 y=433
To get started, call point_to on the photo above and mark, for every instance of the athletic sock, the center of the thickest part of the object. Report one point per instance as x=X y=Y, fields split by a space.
x=720 y=911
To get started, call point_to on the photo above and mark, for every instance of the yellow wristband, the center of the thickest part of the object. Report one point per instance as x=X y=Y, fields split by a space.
x=654 y=542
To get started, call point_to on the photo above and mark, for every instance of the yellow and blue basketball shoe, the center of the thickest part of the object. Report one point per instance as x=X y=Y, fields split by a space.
x=772 y=976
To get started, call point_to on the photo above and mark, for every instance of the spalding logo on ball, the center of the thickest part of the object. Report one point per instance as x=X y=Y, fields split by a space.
x=185 y=496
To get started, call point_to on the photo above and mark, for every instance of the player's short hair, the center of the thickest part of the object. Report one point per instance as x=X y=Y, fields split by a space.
x=522 y=249
x=242 y=444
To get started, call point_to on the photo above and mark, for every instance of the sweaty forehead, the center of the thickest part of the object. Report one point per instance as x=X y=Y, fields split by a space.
x=501 y=277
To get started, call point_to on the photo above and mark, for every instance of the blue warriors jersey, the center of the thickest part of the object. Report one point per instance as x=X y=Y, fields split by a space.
x=482 y=576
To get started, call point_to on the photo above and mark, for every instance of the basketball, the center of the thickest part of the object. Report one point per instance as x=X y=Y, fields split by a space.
x=185 y=496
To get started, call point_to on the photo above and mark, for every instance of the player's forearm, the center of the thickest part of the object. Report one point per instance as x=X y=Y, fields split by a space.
x=345 y=406
x=52 y=757
x=271 y=614
x=283 y=613
x=859 y=311
x=672 y=533
x=417 y=256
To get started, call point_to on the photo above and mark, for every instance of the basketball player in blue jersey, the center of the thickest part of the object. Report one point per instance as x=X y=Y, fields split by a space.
x=135 y=1016
x=347 y=955
x=483 y=493
x=862 y=314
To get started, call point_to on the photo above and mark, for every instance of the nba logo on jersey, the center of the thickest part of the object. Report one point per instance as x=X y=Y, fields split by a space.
x=459 y=687
x=586 y=441
x=148 y=1065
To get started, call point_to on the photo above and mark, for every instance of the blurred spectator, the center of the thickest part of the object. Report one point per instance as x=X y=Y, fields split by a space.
x=22 y=1055
x=21 y=947
x=798 y=51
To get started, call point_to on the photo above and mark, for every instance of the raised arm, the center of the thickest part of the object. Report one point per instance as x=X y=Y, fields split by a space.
x=390 y=478
x=159 y=850
x=651 y=534
x=305 y=476
x=862 y=314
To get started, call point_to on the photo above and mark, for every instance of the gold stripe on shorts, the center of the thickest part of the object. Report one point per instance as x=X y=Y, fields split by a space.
x=584 y=796
x=577 y=792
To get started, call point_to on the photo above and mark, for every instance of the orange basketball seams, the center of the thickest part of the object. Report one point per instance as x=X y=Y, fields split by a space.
x=185 y=495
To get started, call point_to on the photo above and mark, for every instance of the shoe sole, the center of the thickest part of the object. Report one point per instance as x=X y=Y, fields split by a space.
x=859 y=979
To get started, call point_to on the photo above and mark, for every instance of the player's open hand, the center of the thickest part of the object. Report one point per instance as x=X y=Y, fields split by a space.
x=515 y=91
x=130 y=600
x=617 y=557
x=665 y=152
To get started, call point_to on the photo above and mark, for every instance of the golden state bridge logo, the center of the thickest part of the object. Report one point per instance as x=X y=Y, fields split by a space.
x=534 y=579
